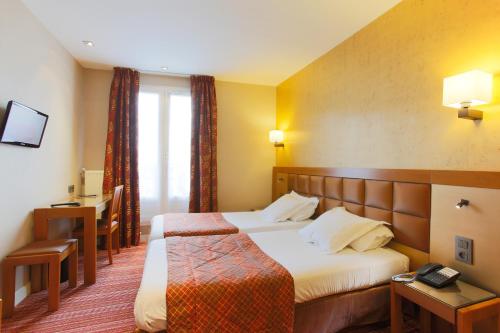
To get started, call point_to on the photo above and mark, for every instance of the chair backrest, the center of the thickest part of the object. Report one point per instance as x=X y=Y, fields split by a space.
x=115 y=207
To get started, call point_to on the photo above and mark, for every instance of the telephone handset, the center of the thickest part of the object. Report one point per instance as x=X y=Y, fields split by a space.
x=437 y=275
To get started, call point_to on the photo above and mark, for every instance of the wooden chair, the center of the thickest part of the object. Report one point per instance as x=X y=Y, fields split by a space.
x=51 y=252
x=109 y=227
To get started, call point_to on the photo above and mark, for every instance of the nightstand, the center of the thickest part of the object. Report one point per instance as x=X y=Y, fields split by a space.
x=460 y=304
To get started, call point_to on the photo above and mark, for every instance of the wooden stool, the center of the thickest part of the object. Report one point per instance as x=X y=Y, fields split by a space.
x=51 y=252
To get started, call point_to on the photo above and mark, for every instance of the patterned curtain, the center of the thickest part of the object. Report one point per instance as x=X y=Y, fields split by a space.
x=203 y=195
x=120 y=164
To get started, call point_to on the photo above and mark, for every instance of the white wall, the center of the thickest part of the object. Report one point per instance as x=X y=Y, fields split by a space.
x=35 y=70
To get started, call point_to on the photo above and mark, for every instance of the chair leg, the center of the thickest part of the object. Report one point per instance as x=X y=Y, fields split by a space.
x=116 y=236
x=73 y=268
x=109 y=246
x=8 y=287
x=54 y=282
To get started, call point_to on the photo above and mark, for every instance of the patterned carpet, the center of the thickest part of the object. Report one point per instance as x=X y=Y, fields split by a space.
x=107 y=306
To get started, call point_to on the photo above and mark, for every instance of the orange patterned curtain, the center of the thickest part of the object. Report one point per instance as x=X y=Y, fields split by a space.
x=120 y=164
x=203 y=195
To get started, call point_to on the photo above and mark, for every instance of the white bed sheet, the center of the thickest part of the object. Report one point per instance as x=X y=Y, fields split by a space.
x=315 y=274
x=245 y=221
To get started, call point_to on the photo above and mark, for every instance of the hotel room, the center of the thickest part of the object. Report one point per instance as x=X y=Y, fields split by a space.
x=250 y=166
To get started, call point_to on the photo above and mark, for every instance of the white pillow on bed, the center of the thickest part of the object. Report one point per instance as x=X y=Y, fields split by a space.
x=310 y=204
x=337 y=228
x=374 y=239
x=282 y=209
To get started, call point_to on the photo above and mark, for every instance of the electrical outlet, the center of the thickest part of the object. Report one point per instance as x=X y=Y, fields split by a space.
x=463 y=249
x=71 y=189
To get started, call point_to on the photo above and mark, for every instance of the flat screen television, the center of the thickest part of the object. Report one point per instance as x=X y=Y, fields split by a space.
x=23 y=126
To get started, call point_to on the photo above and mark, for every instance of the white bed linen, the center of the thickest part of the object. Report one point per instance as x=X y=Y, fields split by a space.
x=315 y=274
x=245 y=221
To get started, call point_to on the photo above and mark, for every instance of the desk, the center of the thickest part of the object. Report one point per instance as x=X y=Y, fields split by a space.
x=88 y=210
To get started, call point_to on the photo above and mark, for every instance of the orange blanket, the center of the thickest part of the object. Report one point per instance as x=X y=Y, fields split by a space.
x=196 y=224
x=225 y=283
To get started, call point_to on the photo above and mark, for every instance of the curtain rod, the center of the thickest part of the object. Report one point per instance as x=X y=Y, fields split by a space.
x=163 y=73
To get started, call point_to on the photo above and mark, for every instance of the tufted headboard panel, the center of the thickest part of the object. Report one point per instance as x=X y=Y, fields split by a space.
x=400 y=198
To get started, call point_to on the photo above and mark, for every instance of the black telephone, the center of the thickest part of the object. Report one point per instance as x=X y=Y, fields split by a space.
x=437 y=275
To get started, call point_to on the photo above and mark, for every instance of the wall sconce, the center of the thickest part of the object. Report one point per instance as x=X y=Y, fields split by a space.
x=462 y=203
x=468 y=89
x=276 y=137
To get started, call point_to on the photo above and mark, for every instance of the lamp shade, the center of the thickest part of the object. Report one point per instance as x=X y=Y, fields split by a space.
x=467 y=89
x=276 y=136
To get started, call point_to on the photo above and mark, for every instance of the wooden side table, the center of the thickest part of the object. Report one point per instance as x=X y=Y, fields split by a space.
x=460 y=304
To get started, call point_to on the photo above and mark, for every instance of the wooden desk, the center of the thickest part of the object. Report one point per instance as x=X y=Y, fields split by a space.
x=460 y=304
x=88 y=210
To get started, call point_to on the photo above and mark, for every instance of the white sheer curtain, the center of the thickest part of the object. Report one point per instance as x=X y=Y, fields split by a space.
x=164 y=150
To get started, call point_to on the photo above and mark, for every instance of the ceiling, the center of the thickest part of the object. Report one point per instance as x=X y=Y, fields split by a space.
x=251 y=41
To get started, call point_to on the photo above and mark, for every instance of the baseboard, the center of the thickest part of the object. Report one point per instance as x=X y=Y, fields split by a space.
x=22 y=293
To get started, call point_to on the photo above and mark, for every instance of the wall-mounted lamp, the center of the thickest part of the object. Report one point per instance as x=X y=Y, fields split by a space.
x=468 y=89
x=277 y=137
x=462 y=203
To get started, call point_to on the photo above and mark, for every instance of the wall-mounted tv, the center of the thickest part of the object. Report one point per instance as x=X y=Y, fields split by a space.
x=23 y=126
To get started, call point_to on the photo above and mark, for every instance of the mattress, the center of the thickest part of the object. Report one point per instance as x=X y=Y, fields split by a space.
x=315 y=274
x=245 y=221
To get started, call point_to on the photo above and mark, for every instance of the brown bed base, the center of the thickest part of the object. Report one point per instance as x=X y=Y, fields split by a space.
x=337 y=312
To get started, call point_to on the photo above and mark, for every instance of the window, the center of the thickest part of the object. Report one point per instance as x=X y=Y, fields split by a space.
x=179 y=152
x=149 y=152
x=164 y=150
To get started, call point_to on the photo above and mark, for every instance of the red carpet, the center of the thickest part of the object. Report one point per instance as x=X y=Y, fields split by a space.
x=107 y=306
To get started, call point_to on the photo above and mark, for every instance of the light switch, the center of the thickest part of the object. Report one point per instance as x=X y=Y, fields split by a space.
x=463 y=249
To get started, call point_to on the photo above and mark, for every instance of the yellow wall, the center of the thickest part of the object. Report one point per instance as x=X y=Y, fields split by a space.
x=245 y=157
x=375 y=100
x=245 y=115
x=96 y=85
x=37 y=71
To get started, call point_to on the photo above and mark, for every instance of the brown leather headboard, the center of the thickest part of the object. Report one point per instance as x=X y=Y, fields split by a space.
x=403 y=200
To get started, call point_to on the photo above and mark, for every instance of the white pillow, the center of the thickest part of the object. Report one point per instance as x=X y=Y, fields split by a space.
x=337 y=228
x=374 y=239
x=282 y=209
x=310 y=204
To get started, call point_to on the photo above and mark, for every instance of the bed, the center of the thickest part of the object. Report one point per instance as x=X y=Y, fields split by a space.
x=245 y=221
x=314 y=273
x=332 y=292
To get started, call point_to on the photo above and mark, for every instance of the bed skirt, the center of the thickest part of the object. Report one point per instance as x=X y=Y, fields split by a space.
x=336 y=312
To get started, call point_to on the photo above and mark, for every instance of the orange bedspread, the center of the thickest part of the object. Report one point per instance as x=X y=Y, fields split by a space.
x=196 y=224
x=225 y=283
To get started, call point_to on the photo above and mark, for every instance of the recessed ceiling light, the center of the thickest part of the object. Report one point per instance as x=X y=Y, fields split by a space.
x=164 y=69
x=88 y=43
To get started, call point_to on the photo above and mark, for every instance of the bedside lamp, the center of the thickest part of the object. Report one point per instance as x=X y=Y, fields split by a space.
x=276 y=137
x=468 y=89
